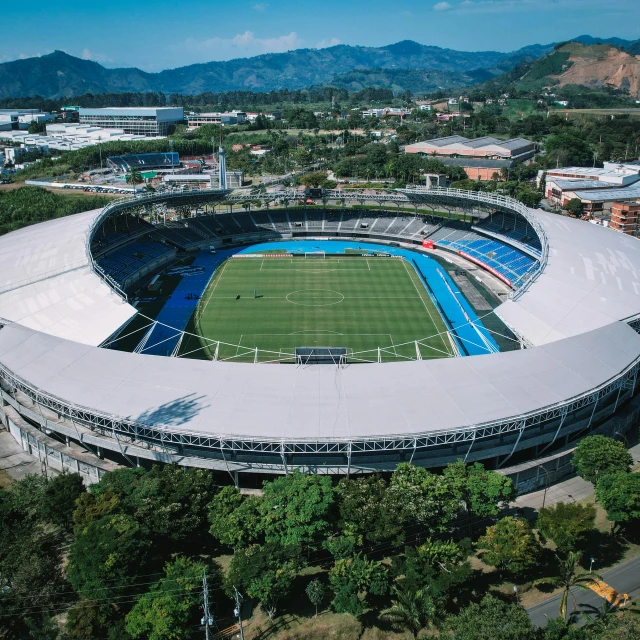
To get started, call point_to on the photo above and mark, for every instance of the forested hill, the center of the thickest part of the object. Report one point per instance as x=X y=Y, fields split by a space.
x=59 y=74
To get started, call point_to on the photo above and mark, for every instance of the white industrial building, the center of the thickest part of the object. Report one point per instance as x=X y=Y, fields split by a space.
x=594 y=186
x=68 y=137
x=217 y=117
x=20 y=119
x=235 y=179
x=144 y=121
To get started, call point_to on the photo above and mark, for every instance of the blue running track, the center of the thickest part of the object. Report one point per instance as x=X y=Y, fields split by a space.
x=177 y=311
x=467 y=329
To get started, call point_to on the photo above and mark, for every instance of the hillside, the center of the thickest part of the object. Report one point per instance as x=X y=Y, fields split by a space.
x=596 y=66
x=415 y=80
x=59 y=74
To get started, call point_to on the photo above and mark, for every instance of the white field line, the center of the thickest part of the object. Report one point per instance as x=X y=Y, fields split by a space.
x=212 y=290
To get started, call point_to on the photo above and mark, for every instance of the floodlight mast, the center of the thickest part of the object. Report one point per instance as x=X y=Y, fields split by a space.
x=222 y=166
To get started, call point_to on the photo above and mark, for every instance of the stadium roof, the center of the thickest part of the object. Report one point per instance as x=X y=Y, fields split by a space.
x=592 y=279
x=47 y=284
x=317 y=402
x=145 y=161
x=571 y=313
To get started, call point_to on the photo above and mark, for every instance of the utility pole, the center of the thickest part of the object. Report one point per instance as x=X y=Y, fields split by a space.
x=207 y=619
x=238 y=610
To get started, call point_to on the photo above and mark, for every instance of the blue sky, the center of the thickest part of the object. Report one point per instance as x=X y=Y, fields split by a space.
x=162 y=34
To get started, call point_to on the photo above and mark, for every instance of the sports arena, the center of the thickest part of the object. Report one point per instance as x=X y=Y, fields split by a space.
x=331 y=339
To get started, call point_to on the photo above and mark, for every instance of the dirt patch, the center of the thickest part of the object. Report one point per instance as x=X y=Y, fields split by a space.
x=611 y=68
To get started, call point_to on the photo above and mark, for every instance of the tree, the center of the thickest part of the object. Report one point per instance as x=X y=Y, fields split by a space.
x=234 y=518
x=624 y=627
x=574 y=206
x=483 y=492
x=170 y=609
x=107 y=555
x=295 y=508
x=313 y=179
x=493 y=619
x=88 y=619
x=561 y=629
x=436 y=567
x=420 y=496
x=134 y=176
x=31 y=559
x=37 y=127
x=619 y=494
x=510 y=545
x=59 y=499
x=529 y=197
x=410 y=610
x=570 y=578
x=566 y=524
x=315 y=593
x=597 y=456
x=352 y=580
x=266 y=573
x=363 y=510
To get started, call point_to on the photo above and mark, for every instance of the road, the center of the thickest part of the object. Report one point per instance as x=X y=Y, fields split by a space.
x=625 y=578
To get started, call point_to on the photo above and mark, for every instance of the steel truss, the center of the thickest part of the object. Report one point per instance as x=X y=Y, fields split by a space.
x=176 y=440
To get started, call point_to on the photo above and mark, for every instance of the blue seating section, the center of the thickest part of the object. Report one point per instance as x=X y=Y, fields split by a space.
x=511 y=263
x=116 y=230
x=513 y=227
x=123 y=262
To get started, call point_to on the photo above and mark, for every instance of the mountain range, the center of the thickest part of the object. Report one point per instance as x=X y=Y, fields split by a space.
x=403 y=65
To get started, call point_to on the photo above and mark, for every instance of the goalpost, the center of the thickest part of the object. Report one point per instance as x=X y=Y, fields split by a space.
x=314 y=254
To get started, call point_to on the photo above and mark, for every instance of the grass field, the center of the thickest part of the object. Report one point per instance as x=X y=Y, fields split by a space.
x=355 y=302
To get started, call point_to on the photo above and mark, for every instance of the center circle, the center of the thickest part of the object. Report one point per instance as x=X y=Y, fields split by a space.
x=315 y=297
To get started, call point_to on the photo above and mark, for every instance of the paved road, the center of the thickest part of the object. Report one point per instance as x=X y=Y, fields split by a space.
x=625 y=578
x=570 y=490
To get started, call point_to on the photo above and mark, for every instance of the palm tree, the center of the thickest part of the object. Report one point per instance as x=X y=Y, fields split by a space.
x=411 y=610
x=568 y=578
x=134 y=176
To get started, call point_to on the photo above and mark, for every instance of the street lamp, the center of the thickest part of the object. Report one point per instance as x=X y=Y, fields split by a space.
x=171 y=152
x=591 y=561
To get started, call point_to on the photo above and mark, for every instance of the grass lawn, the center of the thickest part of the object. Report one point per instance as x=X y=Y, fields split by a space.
x=355 y=302
x=516 y=109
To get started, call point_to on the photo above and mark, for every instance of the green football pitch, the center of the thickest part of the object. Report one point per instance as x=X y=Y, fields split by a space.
x=375 y=307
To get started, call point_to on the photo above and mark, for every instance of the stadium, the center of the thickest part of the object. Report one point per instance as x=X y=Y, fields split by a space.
x=332 y=339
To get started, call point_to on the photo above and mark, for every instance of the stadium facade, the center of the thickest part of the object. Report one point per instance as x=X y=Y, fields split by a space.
x=576 y=313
